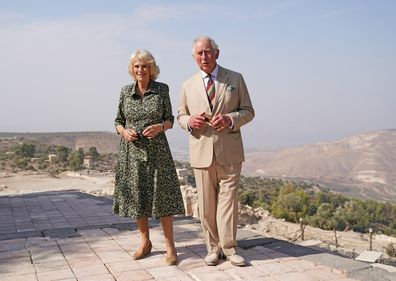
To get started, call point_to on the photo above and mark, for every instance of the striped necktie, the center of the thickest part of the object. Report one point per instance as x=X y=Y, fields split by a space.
x=210 y=88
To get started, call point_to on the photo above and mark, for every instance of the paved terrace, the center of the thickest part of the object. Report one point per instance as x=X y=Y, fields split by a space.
x=70 y=235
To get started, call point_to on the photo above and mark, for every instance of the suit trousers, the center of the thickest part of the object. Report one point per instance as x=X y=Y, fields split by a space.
x=217 y=188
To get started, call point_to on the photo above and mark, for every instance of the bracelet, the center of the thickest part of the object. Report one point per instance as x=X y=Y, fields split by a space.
x=163 y=127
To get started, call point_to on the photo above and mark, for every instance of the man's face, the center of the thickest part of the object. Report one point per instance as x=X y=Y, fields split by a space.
x=205 y=56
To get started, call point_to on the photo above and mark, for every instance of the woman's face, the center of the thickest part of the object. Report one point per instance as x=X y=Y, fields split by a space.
x=141 y=70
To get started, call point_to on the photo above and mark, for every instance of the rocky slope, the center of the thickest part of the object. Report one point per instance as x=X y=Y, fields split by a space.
x=362 y=166
x=259 y=220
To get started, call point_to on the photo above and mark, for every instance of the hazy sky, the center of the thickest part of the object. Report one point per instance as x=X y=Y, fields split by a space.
x=316 y=70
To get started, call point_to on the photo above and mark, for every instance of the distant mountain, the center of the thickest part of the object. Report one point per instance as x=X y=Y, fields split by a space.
x=105 y=142
x=362 y=166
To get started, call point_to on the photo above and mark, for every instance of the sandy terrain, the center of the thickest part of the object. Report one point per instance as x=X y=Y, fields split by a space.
x=27 y=182
x=349 y=243
x=261 y=222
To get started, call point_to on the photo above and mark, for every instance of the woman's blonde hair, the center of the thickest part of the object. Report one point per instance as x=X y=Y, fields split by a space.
x=146 y=57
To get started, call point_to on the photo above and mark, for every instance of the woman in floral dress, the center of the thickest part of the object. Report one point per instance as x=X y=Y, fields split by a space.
x=146 y=183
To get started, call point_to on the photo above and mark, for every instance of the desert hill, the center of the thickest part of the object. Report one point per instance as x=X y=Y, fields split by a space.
x=361 y=166
x=105 y=142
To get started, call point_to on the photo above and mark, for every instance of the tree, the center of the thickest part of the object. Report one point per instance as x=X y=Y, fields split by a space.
x=324 y=217
x=321 y=197
x=94 y=153
x=26 y=150
x=76 y=160
x=22 y=163
x=80 y=151
x=247 y=197
x=353 y=216
x=63 y=153
x=291 y=205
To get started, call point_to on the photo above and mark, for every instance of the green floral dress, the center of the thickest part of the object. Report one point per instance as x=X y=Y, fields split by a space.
x=146 y=183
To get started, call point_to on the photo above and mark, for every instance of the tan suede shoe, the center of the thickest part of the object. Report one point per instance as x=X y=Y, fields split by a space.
x=212 y=259
x=141 y=254
x=170 y=260
x=236 y=260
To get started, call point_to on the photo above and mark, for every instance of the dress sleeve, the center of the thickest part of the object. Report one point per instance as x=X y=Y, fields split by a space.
x=167 y=106
x=120 y=118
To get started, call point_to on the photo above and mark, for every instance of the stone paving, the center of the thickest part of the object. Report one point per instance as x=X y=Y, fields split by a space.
x=74 y=236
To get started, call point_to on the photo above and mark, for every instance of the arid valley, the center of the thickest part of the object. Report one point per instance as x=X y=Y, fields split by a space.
x=361 y=166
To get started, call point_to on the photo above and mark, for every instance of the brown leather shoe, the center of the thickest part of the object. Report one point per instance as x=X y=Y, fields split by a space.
x=142 y=253
x=172 y=260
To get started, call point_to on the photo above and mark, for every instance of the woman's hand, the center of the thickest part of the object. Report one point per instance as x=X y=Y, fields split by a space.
x=152 y=130
x=129 y=135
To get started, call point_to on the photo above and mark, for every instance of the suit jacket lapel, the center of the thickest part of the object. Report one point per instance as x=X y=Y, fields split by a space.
x=222 y=77
x=201 y=91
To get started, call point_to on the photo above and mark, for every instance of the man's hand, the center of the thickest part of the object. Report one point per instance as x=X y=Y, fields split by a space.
x=220 y=122
x=197 y=121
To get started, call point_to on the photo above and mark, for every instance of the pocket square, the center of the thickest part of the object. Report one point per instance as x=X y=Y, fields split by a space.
x=230 y=88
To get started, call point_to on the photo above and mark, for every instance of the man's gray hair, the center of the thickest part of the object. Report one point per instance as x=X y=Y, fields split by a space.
x=203 y=38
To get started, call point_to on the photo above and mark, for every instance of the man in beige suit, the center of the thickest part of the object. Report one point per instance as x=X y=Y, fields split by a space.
x=214 y=104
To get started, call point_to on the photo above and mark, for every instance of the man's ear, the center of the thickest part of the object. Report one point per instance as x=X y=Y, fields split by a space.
x=217 y=53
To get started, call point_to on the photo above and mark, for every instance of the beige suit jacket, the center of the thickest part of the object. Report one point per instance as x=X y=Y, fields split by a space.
x=232 y=97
